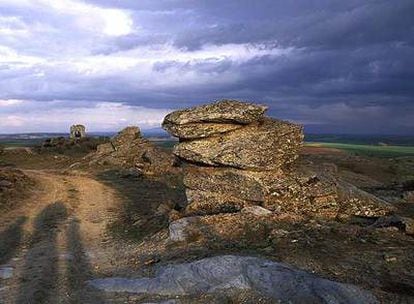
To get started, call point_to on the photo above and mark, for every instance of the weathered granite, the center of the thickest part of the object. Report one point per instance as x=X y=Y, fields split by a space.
x=179 y=229
x=357 y=202
x=266 y=145
x=256 y=210
x=125 y=136
x=207 y=202
x=223 y=111
x=226 y=274
x=227 y=181
x=128 y=149
x=201 y=130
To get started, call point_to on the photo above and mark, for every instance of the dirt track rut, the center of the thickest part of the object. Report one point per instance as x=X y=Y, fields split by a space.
x=52 y=242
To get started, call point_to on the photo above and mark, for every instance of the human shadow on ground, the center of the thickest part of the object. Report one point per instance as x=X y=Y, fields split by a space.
x=79 y=269
x=40 y=271
x=10 y=239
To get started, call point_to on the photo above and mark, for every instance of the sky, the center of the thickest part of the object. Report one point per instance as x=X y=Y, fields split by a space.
x=335 y=66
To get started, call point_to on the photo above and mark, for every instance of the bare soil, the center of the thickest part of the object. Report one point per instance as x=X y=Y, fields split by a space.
x=77 y=225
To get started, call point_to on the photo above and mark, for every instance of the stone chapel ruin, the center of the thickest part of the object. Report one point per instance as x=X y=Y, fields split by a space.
x=77 y=131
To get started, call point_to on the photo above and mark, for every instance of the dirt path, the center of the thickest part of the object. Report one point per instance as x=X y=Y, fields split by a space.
x=53 y=243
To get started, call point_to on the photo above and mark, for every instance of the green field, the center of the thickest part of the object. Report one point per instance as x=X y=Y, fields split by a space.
x=368 y=150
x=20 y=142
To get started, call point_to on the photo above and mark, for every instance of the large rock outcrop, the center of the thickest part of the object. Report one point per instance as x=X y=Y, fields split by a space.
x=234 y=157
x=129 y=150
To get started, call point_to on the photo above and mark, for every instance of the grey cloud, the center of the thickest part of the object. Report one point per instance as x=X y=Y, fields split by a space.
x=350 y=57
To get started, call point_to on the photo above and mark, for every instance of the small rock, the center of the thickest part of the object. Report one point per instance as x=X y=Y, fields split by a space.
x=179 y=229
x=66 y=256
x=402 y=223
x=5 y=184
x=6 y=272
x=164 y=209
x=106 y=148
x=256 y=210
x=389 y=258
x=174 y=216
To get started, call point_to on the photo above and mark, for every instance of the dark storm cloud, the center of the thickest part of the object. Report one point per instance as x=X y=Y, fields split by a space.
x=340 y=65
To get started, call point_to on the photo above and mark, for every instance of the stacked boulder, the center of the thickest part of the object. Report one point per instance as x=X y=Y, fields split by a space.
x=234 y=158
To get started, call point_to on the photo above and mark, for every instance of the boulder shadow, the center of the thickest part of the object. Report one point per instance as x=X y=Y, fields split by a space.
x=146 y=203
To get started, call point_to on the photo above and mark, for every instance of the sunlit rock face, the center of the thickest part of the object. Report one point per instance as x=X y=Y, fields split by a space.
x=234 y=157
x=77 y=131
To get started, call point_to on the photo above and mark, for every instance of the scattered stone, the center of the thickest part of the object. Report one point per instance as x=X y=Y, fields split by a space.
x=404 y=224
x=390 y=258
x=6 y=272
x=226 y=181
x=360 y=203
x=163 y=302
x=5 y=184
x=66 y=256
x=303 y=194
x=75 y=165
x=14 y=184
x=179 y=230
x=408 y=196
x=164 y=209
x=129 y=150
x=256 y=210
x=174 y=215
x=207 y=202
x=131 y=173
x=219 y=274
x=126 y=136
x=105 y=148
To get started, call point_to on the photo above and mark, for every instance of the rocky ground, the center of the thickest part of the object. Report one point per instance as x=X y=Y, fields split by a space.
x=80 y=229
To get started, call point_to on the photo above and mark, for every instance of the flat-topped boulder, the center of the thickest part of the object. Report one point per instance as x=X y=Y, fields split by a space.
x=221 y=112
x=265 y=145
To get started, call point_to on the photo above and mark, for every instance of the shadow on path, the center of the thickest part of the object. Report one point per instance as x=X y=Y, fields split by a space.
x=79 y=269
x=10 y=239
x=40 y=272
